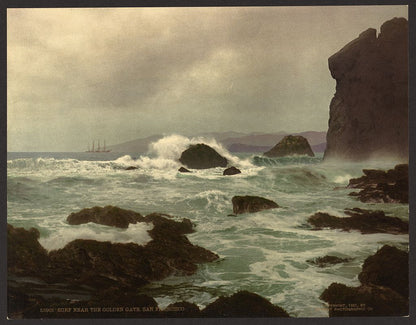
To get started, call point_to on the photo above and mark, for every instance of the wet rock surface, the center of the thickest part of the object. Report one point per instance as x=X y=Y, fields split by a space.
x=328 y=260
x=184 y=170
x=250 y=204
x=231 y=171
x=243 y=304
x=201 y=156
x=365 y=221
x=380 y=186
x=384 y=289
x=291 y=145
x=108 y=215
x=105 y=264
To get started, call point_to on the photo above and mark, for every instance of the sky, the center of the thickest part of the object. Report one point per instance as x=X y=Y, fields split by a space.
x=118 y=74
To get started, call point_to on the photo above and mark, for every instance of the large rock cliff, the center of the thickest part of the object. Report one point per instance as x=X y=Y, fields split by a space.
x=369 y=111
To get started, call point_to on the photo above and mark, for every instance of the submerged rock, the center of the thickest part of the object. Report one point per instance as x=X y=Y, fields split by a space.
x=365 y=221
x=109 y=216
x=231 y=171
x=379 y=186
x=368 y=114
x=201 y=156
x=184 y=170
x=328 y=260
x=243 y=304
x=384 y=289
x=250 y=204
x=131 y=168
x=291 y=145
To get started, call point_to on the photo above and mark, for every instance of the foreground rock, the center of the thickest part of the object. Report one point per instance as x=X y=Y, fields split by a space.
x=231 y=171
x=389 y=267
x=109 y=216
x=250 y=204
x=289 y=146
x=183 y=170
x=124 y=302
x=243 y=304
x=105 y=264
x=384 y=289
x=365 y=221
x=369 y=112
x=379 y=186
x=201 y=156
x=328 y=260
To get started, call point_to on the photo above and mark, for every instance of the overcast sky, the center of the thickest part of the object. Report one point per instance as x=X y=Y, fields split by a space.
x=124 y=73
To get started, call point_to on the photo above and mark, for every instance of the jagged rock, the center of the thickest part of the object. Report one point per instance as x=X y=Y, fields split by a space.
x=250 y=204
x=366 y=221
x=201 y=156
x=384 y=289
x=105 y=264
x=369 y=111
x=291 y=145
x=389 y=267
x=231 y=171
x=109 y=216
x=328 y=260
x=243 y=304
x=379 y=186
x=365 y=300
x=184 y=170
x=25 y=256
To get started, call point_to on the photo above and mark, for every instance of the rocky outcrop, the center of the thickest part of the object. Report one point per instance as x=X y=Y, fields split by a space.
x=365 y=221
x=243 y=304
x=105 y=264
x=109 y=216
x=183 y=170
x=384 y=289
x=201 y=156
x=379 y=186
x=389 y=267
x=291 y=145
x=250 y=204
x=328 y=260
x=231 y=171
x=369 y=112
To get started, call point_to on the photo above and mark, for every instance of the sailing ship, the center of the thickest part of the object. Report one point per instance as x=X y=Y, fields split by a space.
x=98 y=149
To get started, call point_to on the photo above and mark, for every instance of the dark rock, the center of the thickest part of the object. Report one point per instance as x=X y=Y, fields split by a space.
x=184 y=170
x=131 y=168
x=231 y=171
x=201 y=156
x=109 y=216
x=389 y=267
x=250 y=204
x=379 y=186
x=243 y=304
x=182 y=309
x=369 y=111
x=365 y=300
x=366 y=221
x=104 y=264
x=328 y=260
x=291 y=145
x=25 y=256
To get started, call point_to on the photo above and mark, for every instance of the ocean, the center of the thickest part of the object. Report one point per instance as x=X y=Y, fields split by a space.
x=264 y=252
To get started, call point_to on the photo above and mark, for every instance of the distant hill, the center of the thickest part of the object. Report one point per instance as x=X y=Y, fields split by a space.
x=233 y=141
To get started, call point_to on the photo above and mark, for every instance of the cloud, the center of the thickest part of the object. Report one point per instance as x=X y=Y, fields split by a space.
x=133 y=72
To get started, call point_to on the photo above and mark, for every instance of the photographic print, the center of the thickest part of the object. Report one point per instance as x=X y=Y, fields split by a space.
x=207 y=162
